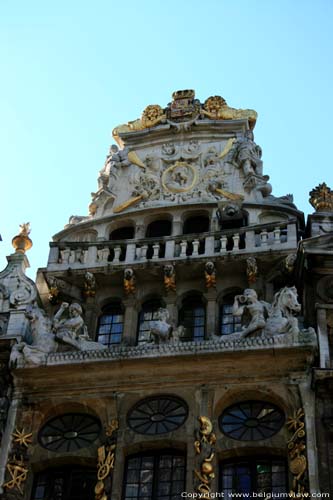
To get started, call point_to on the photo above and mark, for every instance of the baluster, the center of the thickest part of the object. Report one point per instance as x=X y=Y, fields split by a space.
x=277 y=233
x=65 y=255
x=183 y=247
x=156 y=249
x=224 y=241
x=117 y=252
x=264 y=238
x=195 y=247
x=236 y=238
x=144 y=250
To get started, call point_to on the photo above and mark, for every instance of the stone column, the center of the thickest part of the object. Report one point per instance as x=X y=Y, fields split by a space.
x=211 y=313
x=130 y=321
x=7 y=438
x=308 y=402
x=324 y=350
x=92 y=313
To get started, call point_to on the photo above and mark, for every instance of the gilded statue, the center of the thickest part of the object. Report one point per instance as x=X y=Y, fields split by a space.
x=151 y=116
x=210 y=275
x=216 y=108
x=129 y=281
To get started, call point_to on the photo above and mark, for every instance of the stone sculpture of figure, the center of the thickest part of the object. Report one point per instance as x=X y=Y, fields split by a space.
x=71 y=329
x=129 y=281
x=210 y=275
x=258 y=311
x=160 y=329
x=247 y=155
x=169 y=278
x=41 y=341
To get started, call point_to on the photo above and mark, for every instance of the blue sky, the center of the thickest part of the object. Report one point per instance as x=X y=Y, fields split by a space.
x=72 y=70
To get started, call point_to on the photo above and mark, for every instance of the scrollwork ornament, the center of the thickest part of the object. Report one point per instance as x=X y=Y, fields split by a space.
x=204 y=447
x=296 y=452
x=105 y=463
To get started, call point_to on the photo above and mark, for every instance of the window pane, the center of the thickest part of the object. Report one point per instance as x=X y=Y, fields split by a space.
x=111 y=323
x=156 y=476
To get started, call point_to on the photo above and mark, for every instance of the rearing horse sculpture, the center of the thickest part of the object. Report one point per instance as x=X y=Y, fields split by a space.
x=282 y=317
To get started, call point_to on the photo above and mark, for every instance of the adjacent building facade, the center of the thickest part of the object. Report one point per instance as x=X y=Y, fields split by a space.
x=179 y=340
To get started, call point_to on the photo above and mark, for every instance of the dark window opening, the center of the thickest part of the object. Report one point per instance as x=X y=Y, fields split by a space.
x=198 y=224
x=148 y=313
x=67 y=483
x=228 y=322
x=159 y=228
x=192 y=316
x=111 y=325
x=258 y=476
x=122 y=233
x=232 y=220
x=154 y=476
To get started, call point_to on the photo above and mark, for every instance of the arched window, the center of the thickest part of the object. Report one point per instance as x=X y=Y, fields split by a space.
x=192 y=316
x=159 y=228
x=228 y=323
x=196 y=224
x=66 y=483
x=154 y=476
x=253 y=475
x=147 y=314
x=111 y=324
x=251 y=420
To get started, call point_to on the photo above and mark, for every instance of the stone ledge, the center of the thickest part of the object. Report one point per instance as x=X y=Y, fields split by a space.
x=302 y=339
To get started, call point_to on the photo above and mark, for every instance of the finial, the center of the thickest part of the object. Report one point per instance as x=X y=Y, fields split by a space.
x=22 y=242
x=321 y=198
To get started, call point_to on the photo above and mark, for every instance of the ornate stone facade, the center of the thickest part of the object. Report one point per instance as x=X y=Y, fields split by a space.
x=181 y=332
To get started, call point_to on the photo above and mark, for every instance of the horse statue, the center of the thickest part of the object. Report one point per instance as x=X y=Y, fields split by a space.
x=36 y=346
x=282 y=317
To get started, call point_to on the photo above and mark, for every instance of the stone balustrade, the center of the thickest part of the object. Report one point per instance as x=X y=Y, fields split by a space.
x=252 y=239
x=306 y=338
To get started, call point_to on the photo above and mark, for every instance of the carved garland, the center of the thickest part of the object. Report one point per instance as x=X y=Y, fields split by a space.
x=204 y=447
x=296 y=452
x=105 y=465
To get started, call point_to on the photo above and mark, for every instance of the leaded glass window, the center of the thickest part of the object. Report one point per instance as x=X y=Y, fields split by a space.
x=148 y=313
x=258 y=476
x=193 y=317
x=157 y=415
x=251 y=420
x=155 y=476
x=69 y=432
x=228 y=322
x=111 y=325
x=67 y=483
